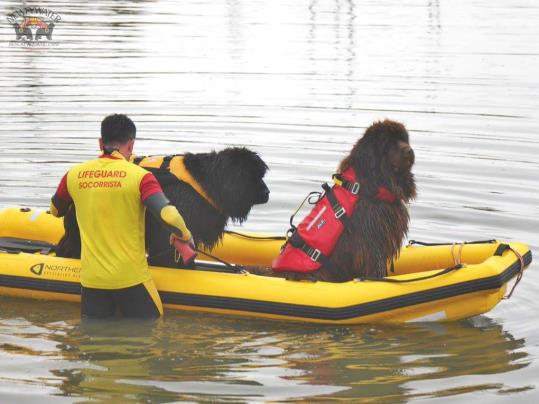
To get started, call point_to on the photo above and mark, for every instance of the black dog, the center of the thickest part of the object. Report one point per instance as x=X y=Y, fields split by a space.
x=47 y=32
x=26 y=32
x=231 y=178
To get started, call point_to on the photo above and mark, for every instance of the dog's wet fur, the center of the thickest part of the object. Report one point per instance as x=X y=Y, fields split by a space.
x=233 y=178
x=376 y=229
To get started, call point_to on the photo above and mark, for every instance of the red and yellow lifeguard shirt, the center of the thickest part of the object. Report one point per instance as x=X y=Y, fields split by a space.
x=108 y=193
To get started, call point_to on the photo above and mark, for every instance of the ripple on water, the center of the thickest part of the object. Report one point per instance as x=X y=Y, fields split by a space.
x=298 y=82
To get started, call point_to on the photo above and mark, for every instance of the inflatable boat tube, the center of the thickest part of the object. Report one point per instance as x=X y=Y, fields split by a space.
x=427 y=282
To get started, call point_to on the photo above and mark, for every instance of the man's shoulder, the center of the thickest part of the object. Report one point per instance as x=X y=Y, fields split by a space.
x=81 y=166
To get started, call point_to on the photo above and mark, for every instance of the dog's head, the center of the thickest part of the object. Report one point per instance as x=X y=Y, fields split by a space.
x=383 y=157
x=234 y=178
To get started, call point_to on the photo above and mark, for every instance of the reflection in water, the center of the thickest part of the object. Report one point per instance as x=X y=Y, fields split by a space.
x=297 y=81
x=185 y=357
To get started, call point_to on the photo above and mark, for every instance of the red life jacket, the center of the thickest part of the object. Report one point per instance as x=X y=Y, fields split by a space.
x=313 y=241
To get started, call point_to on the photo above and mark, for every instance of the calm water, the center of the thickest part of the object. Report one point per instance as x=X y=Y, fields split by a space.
x=297 y=81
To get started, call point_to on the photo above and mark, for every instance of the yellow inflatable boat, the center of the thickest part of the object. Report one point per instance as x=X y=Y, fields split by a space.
x=427 y=282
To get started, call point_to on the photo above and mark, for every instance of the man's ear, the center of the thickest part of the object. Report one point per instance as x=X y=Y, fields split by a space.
x=100 y=144
x=130 y=146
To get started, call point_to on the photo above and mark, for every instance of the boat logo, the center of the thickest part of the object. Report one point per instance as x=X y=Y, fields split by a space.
x=33 y=26
x=37 y=268
x=62 y=271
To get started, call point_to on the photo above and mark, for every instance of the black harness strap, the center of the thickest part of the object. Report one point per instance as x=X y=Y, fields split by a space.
x=338 y=209
x=313 y=253
x=137 y=160
x=165 y=165
x=352 y=187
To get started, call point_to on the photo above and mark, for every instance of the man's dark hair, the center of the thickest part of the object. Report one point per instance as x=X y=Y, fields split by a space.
x=117 y=129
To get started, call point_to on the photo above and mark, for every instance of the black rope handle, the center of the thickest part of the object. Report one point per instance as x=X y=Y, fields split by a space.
x=412 y=242
x=390 y=280
x=250 y=237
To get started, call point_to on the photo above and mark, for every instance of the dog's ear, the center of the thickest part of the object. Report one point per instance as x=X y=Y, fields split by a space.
x=363 y=159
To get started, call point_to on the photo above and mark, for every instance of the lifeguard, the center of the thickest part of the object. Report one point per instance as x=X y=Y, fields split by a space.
x=111 y=195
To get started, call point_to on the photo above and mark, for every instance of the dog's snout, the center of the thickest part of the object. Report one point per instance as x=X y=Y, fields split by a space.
x=263 y=196
x=408 y=151
x=266 y=195
x=409 y=155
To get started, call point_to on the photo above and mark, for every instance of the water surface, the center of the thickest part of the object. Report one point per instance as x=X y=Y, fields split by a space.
x=298 y=82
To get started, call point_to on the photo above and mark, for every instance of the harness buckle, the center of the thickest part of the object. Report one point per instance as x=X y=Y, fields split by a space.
x=355 y=188
x=315 y=255
x=339 y=212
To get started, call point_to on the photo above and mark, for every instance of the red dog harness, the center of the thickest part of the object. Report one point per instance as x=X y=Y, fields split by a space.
x=314 y=239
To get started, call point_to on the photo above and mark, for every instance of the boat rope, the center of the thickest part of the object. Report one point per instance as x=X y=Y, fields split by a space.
x=251 y=237
x=457 y=258
x=520 y=271
x=392 y=280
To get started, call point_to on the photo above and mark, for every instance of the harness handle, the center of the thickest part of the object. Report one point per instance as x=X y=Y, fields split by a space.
x=309 y=198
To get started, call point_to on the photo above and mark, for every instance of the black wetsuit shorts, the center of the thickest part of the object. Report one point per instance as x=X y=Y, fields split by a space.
x=133 y=302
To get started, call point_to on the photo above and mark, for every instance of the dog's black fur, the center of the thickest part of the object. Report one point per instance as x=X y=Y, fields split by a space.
x=233 y=178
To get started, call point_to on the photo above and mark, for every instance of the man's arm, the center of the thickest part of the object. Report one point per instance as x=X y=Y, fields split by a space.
x=169 y=216
x=61 y=200
x=157 y=203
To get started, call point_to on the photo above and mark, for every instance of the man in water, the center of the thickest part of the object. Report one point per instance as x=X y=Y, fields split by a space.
x=111 y=195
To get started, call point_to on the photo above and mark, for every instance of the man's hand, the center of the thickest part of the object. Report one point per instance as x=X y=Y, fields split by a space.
x=174 y=237
x=186 y=249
